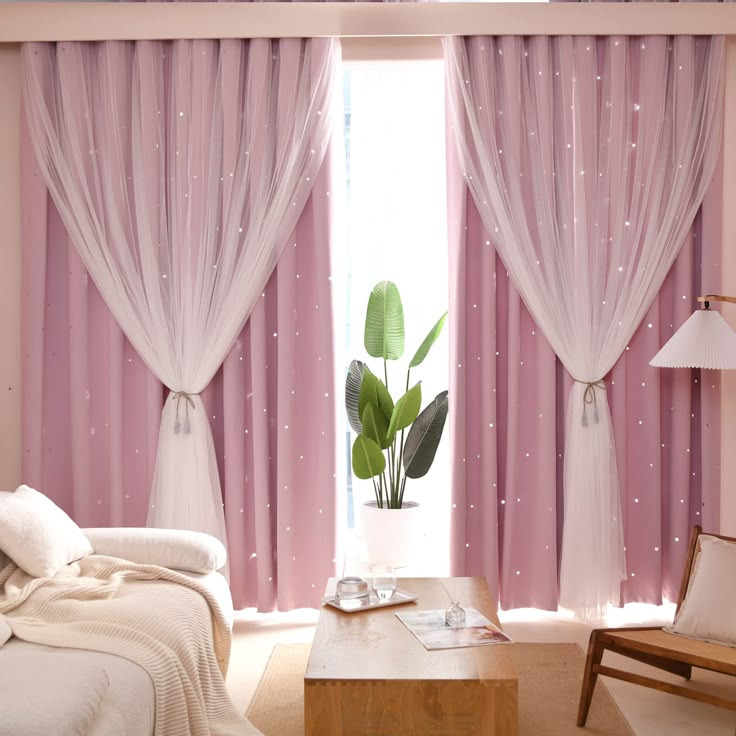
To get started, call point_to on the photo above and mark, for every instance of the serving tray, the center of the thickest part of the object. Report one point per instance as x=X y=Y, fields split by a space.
x=353 y=605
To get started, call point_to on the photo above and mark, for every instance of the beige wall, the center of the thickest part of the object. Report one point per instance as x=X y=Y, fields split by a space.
x=55 y=21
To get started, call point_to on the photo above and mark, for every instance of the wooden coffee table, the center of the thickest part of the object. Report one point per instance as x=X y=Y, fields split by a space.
x=368 y=675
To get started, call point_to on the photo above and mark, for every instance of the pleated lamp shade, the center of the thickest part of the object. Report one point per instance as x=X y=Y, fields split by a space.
x=704 y=341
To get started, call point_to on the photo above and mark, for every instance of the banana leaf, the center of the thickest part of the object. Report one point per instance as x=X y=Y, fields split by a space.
x=406 y=410
x=368 y=459
x=424 y=437
x=385 y=402
x=353 y=382
x=430 y=340
x=375 y=426
x=368 y=391
x=384 y=322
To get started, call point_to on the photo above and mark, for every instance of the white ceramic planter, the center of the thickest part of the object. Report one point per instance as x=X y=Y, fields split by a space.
x=391 y=535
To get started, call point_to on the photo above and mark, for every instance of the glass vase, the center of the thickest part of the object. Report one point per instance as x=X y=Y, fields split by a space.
x=455 y=616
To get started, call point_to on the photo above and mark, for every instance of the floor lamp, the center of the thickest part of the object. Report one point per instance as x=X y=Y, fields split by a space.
x=704 y=341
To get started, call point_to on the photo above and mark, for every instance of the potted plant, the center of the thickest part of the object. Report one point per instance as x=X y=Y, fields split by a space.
x=396 y=440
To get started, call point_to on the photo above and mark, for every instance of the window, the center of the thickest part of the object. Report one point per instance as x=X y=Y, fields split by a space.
x=396 y=229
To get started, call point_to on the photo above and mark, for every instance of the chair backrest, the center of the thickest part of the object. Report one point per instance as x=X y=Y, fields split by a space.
x=692 y=555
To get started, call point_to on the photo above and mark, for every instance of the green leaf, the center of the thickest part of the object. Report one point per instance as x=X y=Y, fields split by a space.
x=385 y=402
x=424 y=437
x=368 y=460
x=406 y=410
x=375 y=426
x=430 y=340
x=353 y=382
x=384 y=322
x=368 y=390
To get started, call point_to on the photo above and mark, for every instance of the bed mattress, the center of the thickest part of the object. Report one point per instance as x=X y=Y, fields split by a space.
x=45 y=691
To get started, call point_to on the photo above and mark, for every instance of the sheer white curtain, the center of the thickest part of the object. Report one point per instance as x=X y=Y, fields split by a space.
x=588 y=159
x=179 y=169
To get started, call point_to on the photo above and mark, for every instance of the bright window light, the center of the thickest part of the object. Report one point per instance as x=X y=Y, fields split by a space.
x=394 y=127
x=494 y=1
x=632 y=614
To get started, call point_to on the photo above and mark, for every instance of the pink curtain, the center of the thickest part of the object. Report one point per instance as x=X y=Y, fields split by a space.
x=179 y=170
x=507 y=422
x=91 y=408
x=588 y=159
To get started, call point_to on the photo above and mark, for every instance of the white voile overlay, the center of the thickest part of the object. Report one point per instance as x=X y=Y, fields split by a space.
x=587 y=159
x=180 y=169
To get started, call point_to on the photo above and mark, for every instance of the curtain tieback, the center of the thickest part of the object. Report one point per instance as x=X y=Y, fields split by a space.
x=182 y=426
x=589 y=397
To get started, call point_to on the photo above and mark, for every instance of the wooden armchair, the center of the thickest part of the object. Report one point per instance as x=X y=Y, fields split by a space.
x=659 y=648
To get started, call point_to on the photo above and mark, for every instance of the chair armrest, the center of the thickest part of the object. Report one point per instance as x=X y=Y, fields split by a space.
x=173 y=548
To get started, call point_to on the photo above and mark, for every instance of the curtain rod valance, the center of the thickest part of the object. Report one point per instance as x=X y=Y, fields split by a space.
x=89 y=21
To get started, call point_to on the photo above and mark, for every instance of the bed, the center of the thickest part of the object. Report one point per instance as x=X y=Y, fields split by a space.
x=130 y=638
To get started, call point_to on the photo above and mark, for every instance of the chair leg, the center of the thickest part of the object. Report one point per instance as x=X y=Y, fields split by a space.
x=595 y=654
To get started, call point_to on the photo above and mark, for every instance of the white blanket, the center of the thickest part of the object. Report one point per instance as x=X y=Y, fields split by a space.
x=166 y=622
x=5 y=631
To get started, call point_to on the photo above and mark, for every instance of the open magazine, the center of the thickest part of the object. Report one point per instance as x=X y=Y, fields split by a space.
x=429 y=627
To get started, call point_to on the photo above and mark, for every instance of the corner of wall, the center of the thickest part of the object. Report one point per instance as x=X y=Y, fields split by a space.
x=728 y=379
x=10 y=265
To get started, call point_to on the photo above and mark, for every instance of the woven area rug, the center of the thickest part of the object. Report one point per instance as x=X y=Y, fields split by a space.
x=549 y=688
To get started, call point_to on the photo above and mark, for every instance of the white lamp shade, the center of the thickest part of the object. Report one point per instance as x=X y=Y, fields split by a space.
x=704 y=341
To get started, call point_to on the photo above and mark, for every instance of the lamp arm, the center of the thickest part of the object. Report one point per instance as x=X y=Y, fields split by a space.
x=716 y=298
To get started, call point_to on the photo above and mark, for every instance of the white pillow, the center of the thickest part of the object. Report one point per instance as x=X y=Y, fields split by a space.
x=710 y=601
x=37 y=535
x=173 y=548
